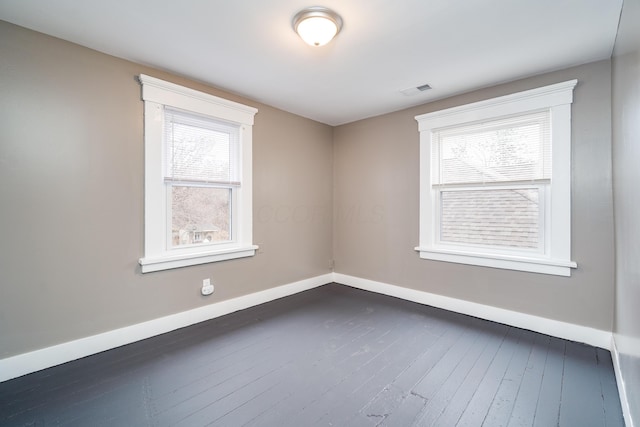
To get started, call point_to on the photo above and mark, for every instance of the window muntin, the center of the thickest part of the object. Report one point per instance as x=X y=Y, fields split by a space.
x=476 y=156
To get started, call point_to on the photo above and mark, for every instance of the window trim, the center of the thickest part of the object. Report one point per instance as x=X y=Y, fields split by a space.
x=556 y=260
x=157 y=94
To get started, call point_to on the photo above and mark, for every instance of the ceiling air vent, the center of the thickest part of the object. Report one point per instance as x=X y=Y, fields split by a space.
x=415 y=90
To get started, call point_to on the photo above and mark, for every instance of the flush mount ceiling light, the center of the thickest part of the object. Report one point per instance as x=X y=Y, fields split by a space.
x=317 y=25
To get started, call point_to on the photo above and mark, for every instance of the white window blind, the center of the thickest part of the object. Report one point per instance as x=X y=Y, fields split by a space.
x=200 y=149
x=498 y=151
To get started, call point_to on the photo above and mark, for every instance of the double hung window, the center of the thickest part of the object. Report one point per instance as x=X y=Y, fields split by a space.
x=197 y=177
x=201 y=174
x=495 y=182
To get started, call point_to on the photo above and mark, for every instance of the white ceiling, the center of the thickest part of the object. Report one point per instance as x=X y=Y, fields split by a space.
x=249 y=48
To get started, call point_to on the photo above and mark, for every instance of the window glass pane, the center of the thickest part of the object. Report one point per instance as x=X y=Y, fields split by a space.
x=200 y=215
x=199 y=149
x=511 y=149
x=505 y=217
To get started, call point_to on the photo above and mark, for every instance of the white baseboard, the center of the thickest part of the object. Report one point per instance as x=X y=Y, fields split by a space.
x=569 y=331
x=22 y=364
x=622 y=390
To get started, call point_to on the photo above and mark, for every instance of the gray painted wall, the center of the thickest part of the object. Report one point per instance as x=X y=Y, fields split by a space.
x=71 y=199
x=377 y=201
x=626 y=161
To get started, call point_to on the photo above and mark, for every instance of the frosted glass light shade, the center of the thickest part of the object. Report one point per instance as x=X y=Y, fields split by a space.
x=317 y=25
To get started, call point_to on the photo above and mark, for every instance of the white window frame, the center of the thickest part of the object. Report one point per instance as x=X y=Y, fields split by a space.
x=158 y=255
x=554 y=256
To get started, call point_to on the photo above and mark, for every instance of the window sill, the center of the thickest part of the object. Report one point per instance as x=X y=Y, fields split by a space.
x=533 y=265
x=167 y=262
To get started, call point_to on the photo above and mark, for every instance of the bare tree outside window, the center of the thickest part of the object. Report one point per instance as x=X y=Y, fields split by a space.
x=200 y=215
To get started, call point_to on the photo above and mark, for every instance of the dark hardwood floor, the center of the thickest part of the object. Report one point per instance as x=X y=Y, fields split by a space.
x=332 y=356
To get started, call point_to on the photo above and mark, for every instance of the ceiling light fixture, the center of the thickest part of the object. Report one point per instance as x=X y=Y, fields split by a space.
x=317 y=25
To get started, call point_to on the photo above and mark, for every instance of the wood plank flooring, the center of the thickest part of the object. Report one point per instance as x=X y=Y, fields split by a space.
x=332 y=356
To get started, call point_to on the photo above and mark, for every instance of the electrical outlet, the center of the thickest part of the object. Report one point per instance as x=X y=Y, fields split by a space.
x=207 y=287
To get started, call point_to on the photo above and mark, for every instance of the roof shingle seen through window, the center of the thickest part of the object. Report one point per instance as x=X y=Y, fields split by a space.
x=507 y=218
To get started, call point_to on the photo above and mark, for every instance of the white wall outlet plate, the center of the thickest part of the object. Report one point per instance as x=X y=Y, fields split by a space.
x=207 y=287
